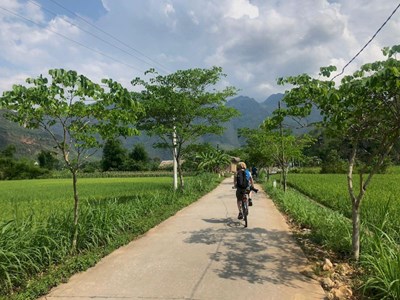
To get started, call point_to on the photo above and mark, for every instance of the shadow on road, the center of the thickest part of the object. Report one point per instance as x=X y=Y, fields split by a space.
x=256 y=255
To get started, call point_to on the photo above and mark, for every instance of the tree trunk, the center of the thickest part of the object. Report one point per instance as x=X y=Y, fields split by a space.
x=355 y=201
x=181 y=181
x=282 y=152
x=356 y=229
x=76 y=211
x=285 y=171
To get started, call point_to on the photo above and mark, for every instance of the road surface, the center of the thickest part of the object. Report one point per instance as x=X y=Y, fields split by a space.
x=203 y=252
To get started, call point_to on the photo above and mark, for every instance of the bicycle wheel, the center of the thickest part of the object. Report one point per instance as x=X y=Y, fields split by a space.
x=245 y=210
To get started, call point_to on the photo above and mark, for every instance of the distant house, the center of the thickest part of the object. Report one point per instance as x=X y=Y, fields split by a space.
x=166 y=164
x=233 y=166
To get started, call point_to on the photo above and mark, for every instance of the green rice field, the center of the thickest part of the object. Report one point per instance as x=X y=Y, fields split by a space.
x=380 y=206
x=36 y=224
x=20 y=198
x=321 y=203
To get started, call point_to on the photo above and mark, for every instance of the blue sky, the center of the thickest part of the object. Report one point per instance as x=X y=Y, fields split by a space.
x=254 y=41
x=92 y=9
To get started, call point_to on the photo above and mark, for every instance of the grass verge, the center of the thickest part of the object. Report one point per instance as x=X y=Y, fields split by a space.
x=34 y=255
x=376 y=275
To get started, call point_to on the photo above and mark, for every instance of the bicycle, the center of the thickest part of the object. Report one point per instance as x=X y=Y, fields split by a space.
x=245 y=206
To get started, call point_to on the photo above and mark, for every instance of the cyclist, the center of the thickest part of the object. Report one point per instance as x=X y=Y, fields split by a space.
x=254 y=172
x=241 y=191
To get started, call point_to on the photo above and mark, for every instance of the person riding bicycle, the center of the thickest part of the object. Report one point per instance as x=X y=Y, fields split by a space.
x=254 y=172
x=240 y=191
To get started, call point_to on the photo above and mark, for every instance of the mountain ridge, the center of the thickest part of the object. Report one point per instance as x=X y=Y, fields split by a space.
x=30 y=142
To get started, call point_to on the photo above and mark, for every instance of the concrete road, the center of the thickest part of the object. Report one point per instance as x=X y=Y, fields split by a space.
x=203 y=252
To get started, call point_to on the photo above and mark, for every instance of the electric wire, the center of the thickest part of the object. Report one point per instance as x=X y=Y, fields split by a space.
x=137 y=51
x=72 y=40
x=95 y=36
x=371 y=39
x=111 y=36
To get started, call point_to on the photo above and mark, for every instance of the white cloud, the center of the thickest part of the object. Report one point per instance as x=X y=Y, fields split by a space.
x=34 y=12
x=241 y=8
x=105 y=5
x=12 y=78
x=192 y=15
x=254 y=41
x=11 y=5
x=171 y=58
x=169 y=9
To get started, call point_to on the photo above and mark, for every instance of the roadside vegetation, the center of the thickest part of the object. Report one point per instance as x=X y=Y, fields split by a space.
x=318 y=205
x=380 y=207
x=36 y=224
x=349 y=204
x=354 y=144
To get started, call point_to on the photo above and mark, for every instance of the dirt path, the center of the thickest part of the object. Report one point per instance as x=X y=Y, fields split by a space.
x=203 y=252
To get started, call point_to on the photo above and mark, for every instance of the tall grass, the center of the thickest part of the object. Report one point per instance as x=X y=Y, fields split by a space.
x=20 y=198
x=328 y=228
x=381 y=260
x=380 y=250
x=115 y=174
x=382 y=196
x=36 y=240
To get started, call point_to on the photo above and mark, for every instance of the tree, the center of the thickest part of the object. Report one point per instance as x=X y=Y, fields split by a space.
x=334 y=163
x=270 y=145
x=324 y=144
x=9 y=151
x=114 y=155
x=138 y=160
x=191 y=160
x=364 y=109
x=83 y=112
x=259 y=147
x=47 y=160
x=183 y=106
x=139 y=153
x=284 y=146
x=213 y=161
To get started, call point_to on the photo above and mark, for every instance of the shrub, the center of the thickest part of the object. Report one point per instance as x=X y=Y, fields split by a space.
x=328 y=228
x=20 y=169
x=334 y=164
x=382 y=264
x=35 y=245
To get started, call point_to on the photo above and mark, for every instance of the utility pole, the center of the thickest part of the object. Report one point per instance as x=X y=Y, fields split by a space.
x=175 y=161
x=283 y=175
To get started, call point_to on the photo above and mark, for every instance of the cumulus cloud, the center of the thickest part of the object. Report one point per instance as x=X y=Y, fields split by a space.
x=168 y=9
x=255 y=42
x=105 y=5
x=242 y=8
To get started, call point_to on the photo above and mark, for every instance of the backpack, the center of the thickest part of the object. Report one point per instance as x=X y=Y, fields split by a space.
x=241 y=180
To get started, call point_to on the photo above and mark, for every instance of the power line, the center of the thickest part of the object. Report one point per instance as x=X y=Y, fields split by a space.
x=365 y=46
x=111 y=36
x=72 y=40
x=88 y=32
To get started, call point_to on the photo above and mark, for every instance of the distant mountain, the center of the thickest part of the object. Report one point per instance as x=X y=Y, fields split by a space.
x=303 y=126
x=30 y=142
x=253 y=113
x=271 y=103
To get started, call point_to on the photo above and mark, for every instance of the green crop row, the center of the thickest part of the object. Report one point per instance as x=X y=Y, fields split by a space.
x=381 y=204
x=327 y=227
x=116 y=174
x=380 y=252
x=36 y=224
x=21 y=198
